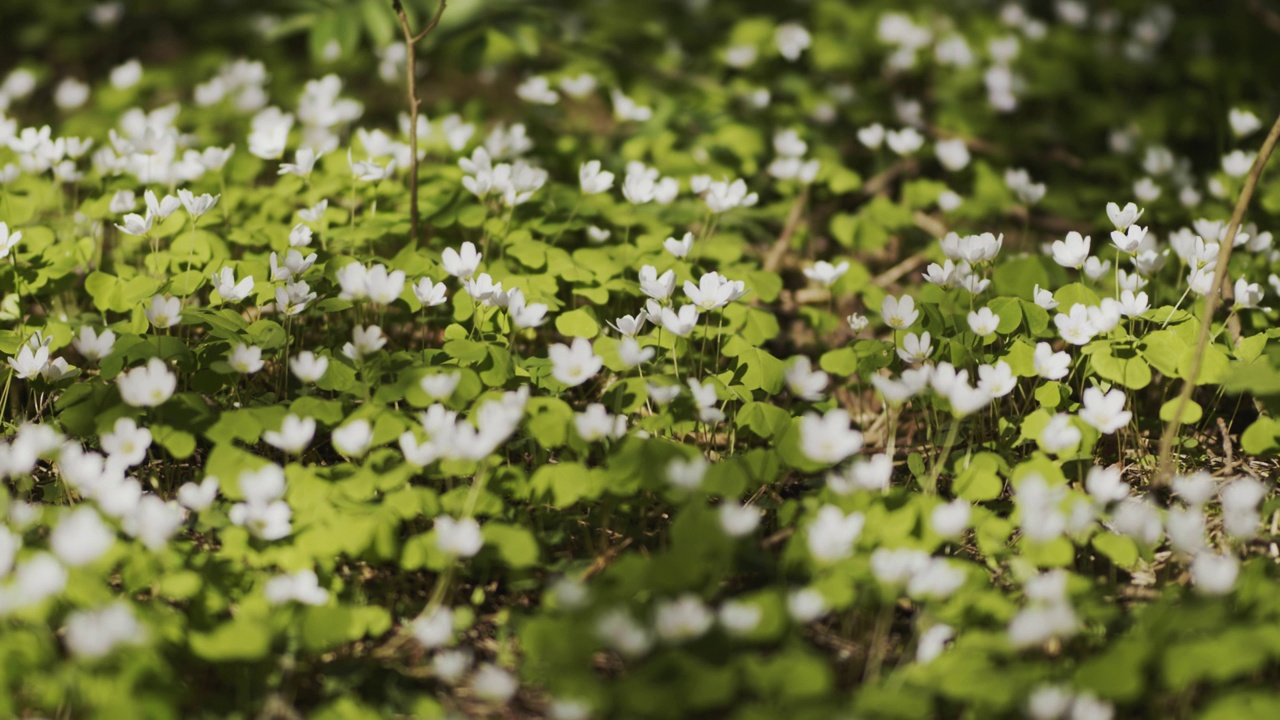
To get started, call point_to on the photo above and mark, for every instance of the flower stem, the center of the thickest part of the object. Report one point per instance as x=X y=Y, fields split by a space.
x=931 y=486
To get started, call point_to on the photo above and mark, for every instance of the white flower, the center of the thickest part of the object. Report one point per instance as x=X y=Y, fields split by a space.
x=806 y=605
x=293 y=436
x=1195 y=489
x=197 y=205
x=932 y=642
x=1247 y=294
x=153 y=521
x=458 y=538
x=440 y=385
x=1075 y=326
x=872 y=136
x=245 y=359
x=28 y=364
x=828 y=439
x=624 y=108
x=684 y=618
x=433 y=629
x=950 y=519
x=574 y=364
x=738 y=520
x=899 y=314
x=713 y=291
x=658 y=287
x=966 y=400
x=1237 y=162
x=1243 y=122
x=8 y=240
x=857 y=323
x=983 y=322
x=294 y=265
x=304 y=162
x=739 y=618
x=1072 y=251
x=364 y=341
x=353 y=439
x=687 y=474
x=1059 y=434
x=160 y=208
x=1095 y=268
x=133 y=225
x=832 y=533
x=949 y=200
x=1019 y=181
x=1214 y=574
x=722 y=196
x=996 y=380
x=792 y=40
x=952 y=154
x=915 y=348
x=94 y=634
x=537 y=90
x=618 y=630
x=308 y=367
x=1132 y=305
x=164 y=312
x=706 y=399
x=450 y=666
x=122 y=202
x=592 y=179
x=904 y=141
x=1106 y=485
x=680 y=248
x=70 y=94
x=127 y=444
x=428 y=293
x=631 y=354
x=826 y=274
x=1106 y=413
x=803 y=381
x=1122 y=218
x=461 y=264
x=679 y=322
x=493 y=684
x=595 y=423
x=302 y=587
x=198 y=497
x=81 y=537
x=147 y=386
x=1049 y=702
x=126 y=74
x=579 y=85
x=1146 y=189
x=300 y=236
x=1048 y=364
x=1130 y=240
x=231 y=291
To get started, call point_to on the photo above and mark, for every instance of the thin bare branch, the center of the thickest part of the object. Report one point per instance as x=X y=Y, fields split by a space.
x=1164 y=466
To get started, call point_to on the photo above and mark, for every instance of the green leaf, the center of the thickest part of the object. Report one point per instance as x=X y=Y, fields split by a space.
x=517 y=547
x=578 y=323
x=239 y=639
x=1260 y=437
x=179 y=443
x=1120 y=549
x=766 y=420
x=1190 y=414
x=1124 y=367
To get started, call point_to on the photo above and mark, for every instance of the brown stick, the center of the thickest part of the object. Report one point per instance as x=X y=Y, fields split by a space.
x=779 y=250
x=1164 y=466
x=411 y=71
